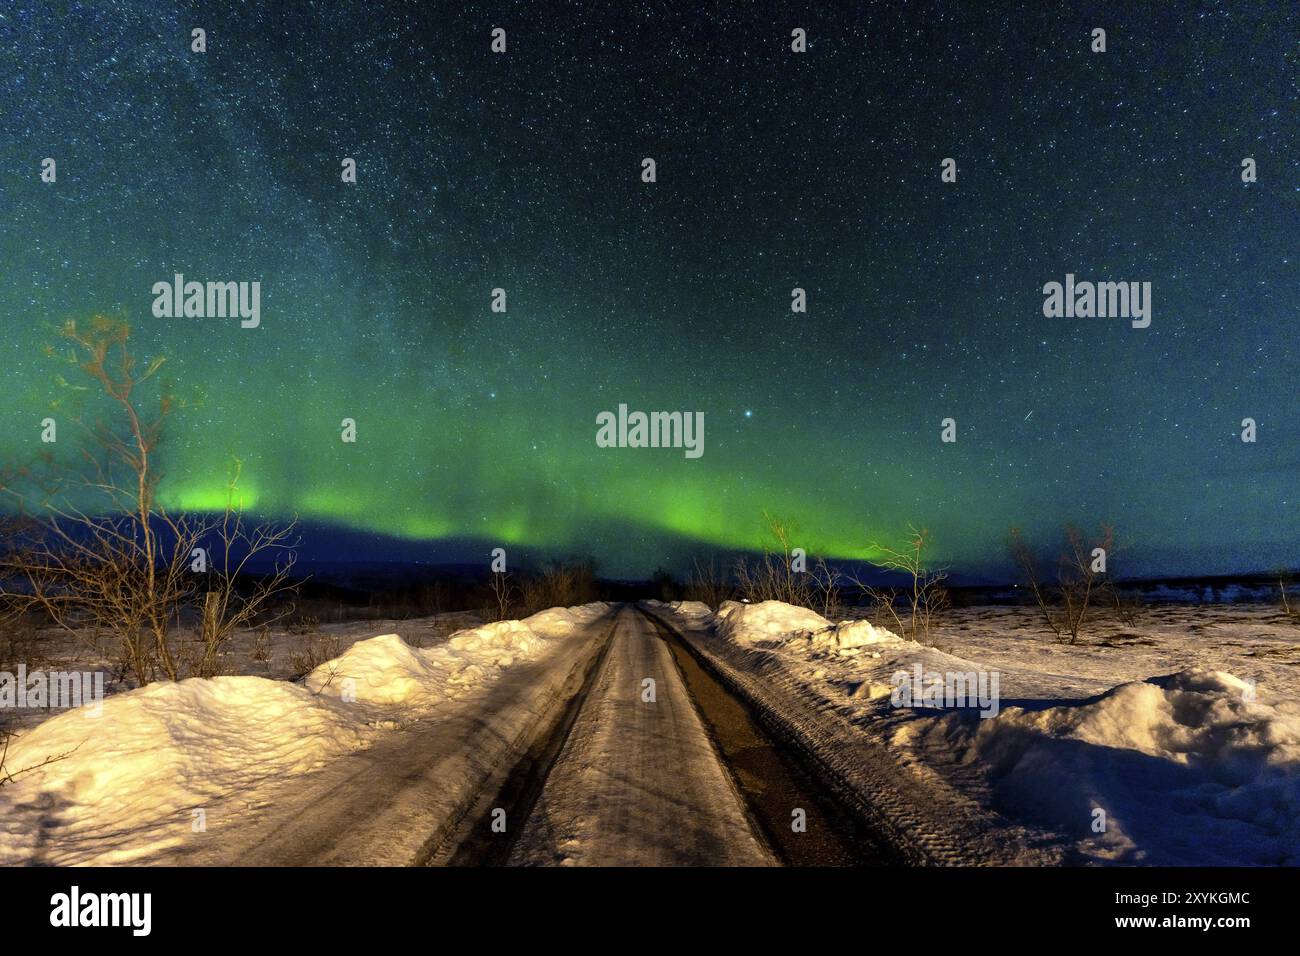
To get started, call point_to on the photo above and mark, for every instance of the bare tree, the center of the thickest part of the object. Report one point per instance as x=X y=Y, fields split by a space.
x=1026 y=562
x=1080 y=577
x=102 y=548
x=774 y=576
x=707 y=585
x=1284 y=581
x=925 y=598
x=825 y=590
x=504 y=593
x=234 y=598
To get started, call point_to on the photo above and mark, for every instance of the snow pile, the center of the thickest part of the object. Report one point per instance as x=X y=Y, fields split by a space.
x=124 y=783
x=382 y=670
x=775 y=622
x=1190 y=769
x=561 y=621
x=726 y=608
x=847 y=637
x=766 y=621
x=693 y=611
x=496 y=644
x=155 y=753
x=386 y=670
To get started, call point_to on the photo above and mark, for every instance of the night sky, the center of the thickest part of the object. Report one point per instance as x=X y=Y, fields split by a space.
x=775 y=170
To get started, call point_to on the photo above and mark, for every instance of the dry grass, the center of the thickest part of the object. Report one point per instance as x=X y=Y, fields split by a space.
x=312 y=650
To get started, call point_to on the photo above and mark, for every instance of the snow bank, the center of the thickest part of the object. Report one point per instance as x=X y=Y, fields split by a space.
x=158 y=752
x=766 y=621
x=127 y=781
x=560 y=621
x=847 y=637
x=691 y=610
x=1190 y=769
x=386 y=670
x=774 y=622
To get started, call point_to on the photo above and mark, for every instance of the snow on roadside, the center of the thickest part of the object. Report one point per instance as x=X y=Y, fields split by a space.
x=386 y=670
x=776 y=623
x=155 y=754
x=770 y=620
x=1197 y=767
x=1190 y=769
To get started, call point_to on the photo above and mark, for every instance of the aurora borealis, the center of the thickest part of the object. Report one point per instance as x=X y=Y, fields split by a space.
x=775 y=170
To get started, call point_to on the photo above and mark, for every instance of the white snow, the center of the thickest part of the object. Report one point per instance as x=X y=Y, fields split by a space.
x=1191 y=769
x=157 y=753
x=1192 y=765
x=767 y=620
x=774 y=622
x=691 y=610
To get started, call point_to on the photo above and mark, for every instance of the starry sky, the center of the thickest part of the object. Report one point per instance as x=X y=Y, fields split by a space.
x=775 y=170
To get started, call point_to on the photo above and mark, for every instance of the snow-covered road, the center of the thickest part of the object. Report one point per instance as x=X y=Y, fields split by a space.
x=638 y=782
x=377 y=758
x=391 y=804
x=578 y=736
x=676 y=734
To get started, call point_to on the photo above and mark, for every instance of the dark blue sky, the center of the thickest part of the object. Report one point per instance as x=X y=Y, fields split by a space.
x=775 y=170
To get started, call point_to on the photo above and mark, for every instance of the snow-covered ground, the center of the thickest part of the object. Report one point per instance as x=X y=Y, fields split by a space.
x=282 y=652
x=155 y=765
x=1173 y=739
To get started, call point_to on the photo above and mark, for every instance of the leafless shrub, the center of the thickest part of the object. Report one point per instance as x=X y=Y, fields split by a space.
x=773 y=576
x=1080 y=578
x=234 y=599
x=262 y=645
x=1126 y=606
x=1284 y=581
x=302 y=623
x=563 y=584
x=706 y=584
x=883 y=607
x=504 y=594
x=313 y=650
x=824 y=590
x=781 y=573
x=923 y=601
x=8 y=776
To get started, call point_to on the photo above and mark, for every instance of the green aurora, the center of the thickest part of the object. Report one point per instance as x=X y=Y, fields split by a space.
x=521 y=171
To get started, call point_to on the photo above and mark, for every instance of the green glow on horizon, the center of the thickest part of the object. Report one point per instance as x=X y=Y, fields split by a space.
x=923 y=298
